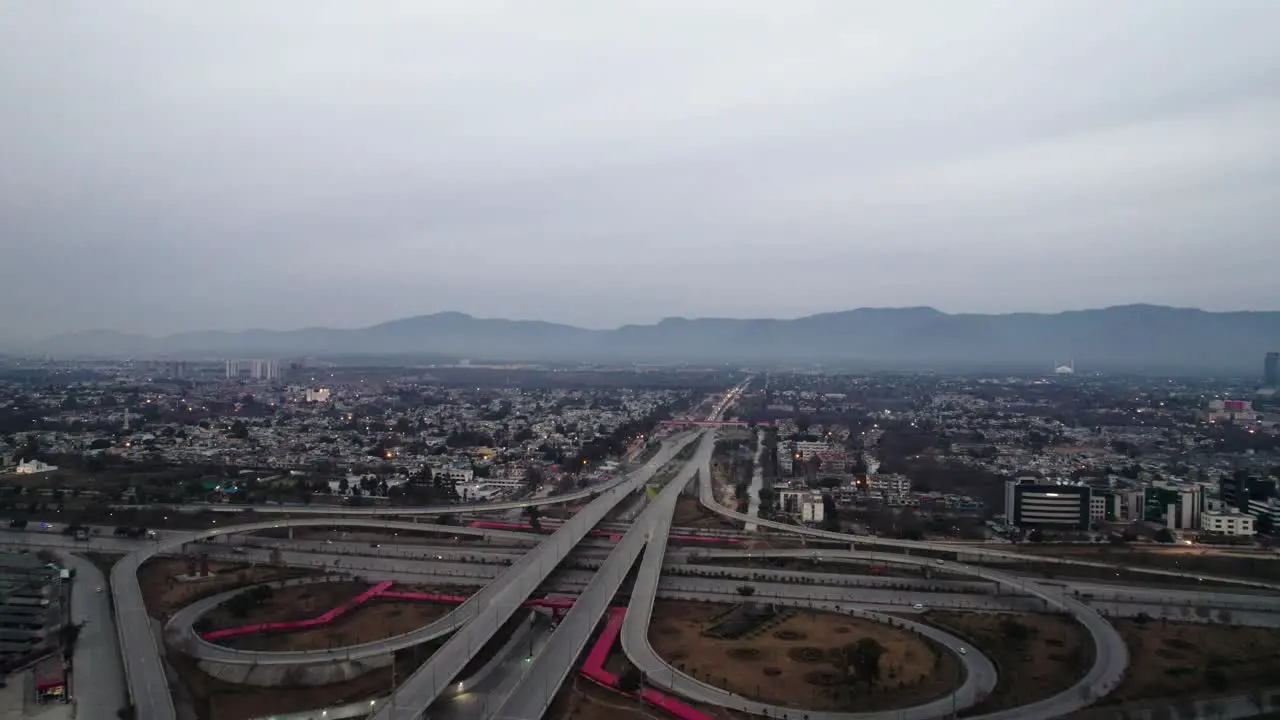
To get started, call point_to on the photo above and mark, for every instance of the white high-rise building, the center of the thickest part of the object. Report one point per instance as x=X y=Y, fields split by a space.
x=265 y=370
x=253 y=369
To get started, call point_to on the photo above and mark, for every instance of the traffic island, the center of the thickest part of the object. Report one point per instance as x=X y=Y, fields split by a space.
x=1037 y=655
x=804 y=659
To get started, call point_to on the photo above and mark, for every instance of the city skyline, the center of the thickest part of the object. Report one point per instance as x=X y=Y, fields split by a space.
x=243 y=166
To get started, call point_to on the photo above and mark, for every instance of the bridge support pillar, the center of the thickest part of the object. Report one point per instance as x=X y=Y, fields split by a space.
x=290 y=532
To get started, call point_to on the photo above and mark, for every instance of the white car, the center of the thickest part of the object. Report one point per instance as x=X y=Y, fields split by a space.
x=917 y=606
x=98 y=590
x=962 y=652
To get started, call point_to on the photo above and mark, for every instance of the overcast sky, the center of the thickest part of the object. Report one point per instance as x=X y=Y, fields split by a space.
x=192 y=165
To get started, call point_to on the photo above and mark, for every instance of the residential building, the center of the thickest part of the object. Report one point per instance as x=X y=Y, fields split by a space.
x=317 y=396
x=455 y=473
x=264 y=370
x=254 y=369
x=1232 y=522
x=1098 y=507
x=806 y=504
x=33 y=606
x=1031 y=503
x=1234 y=411
x=886 y=485
x=31 y=467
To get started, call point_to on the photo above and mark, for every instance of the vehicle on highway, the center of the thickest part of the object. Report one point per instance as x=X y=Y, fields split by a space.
x=238 y=551
x=98 y=590
x=375 y=545
x=962 y=651
x=938 y=561
x=917 y=606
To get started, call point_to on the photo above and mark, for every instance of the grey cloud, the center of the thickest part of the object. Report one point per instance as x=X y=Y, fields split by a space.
x=245 y=164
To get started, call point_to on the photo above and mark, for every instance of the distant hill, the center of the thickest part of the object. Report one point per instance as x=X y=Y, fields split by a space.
x=1129 y=336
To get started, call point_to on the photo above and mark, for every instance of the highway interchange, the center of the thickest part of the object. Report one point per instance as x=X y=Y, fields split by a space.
x=570 y=561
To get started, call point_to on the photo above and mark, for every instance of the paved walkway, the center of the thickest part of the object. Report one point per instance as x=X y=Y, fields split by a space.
x=15 y=703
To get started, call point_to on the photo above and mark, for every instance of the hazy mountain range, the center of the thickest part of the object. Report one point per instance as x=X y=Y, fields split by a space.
x=1132 y=336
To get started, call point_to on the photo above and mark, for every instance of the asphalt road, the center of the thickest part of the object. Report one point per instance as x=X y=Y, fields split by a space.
x=144 y=669
x=490 y=608
x=97 y=679
x=980 y=674
x=706 y=496
x=479 y=698
x=1111 y=656
x=535 y=692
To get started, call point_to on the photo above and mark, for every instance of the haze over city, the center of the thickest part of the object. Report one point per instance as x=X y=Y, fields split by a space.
x=284 y=165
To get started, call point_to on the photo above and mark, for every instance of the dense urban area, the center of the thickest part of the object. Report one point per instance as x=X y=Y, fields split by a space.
x=917 y=545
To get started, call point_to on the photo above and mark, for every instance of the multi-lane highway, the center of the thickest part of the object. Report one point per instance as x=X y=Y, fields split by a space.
x=980 y=674
x=1111 y=656
x=490 y=609
x=144 y=668
x=534 y=694
x=475 y=622
x=706 y=496
x=97 y=677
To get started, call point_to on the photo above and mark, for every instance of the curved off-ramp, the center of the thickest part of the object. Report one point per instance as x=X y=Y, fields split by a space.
x=980 y=673
x=1111 y=656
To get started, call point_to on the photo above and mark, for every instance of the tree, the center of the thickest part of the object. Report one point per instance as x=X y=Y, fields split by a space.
x=239 y=430
x=1215 y=678
x=69 y=634
x=535 y=517
x=630 y=681
x=863 y=659
x=1015 y=632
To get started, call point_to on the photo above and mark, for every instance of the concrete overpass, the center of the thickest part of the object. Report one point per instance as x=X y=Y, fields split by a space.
x=494 y=605
x=535 y=692
x=144 y=668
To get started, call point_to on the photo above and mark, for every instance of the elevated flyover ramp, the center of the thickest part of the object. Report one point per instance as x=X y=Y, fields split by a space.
x=140 y=647
x=535 y=692
x=488 y=610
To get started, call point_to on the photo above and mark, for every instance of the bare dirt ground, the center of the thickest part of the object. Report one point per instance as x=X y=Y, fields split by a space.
x=1169 y=659
x=216 y=700
x=790 y=664
x=372 y=621
x=690 y=513
x=164 y=595
x=581 y=699
x=1054 y=655
x=290 y=604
